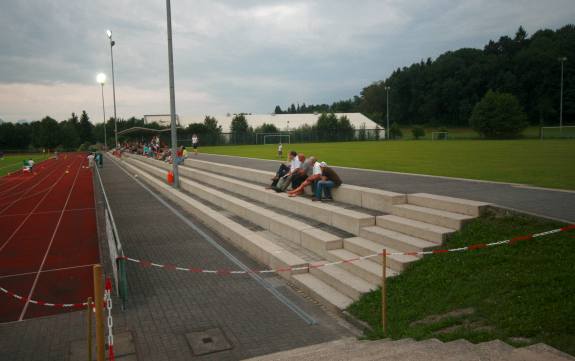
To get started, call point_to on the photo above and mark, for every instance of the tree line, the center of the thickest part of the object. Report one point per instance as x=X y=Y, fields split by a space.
x=444 y=91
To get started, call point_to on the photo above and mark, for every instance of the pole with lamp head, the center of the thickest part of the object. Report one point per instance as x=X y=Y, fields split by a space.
x=112 y=43
x=101 y=79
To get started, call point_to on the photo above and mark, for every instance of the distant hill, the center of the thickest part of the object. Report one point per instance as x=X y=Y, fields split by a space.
x=443 y=91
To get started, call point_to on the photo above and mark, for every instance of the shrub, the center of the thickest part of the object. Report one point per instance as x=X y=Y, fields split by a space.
x=418 y=132
x=395 y=131
x=498 y=115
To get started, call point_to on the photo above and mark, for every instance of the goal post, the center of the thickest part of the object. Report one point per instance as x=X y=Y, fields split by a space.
x=439 y=135
x=557 y=132
x=266 y=138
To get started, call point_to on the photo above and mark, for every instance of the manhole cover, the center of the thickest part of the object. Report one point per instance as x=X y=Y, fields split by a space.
x=208 y=341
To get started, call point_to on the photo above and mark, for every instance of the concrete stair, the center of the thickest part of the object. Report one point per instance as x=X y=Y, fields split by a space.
x=362 y=222
x=450 y=204
x=411 y=350
x=427 y=231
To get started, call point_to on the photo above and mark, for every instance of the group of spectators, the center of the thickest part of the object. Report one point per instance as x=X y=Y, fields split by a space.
x=160 y=151
x=300 y=172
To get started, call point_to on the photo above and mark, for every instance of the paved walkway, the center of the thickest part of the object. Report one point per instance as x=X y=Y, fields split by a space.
x=545 y=202
x=165 y=305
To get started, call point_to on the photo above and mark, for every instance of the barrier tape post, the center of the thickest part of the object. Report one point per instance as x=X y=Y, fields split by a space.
x=110 y=320
x=98 y=297
x=89 y=322
x=384 y=292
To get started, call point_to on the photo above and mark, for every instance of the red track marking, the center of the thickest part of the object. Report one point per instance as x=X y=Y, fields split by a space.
x=50 y=255
x=50 y=270
x=47 y=212
x=46 y=171
x=59 y=222
x=28 y=216
x=10 y=306
x=67 y=286
x=39 y=180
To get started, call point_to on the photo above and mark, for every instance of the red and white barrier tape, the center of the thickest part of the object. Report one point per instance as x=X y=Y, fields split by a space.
x=477 y=246
x=43 y=303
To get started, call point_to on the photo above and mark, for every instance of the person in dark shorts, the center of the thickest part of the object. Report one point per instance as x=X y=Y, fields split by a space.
x=283 y=170
x=195 y=143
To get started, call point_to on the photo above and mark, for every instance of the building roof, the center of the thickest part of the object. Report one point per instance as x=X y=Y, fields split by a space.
x=283 y=122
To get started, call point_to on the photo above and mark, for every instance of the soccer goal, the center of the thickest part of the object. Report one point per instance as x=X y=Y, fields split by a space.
x=267 y=138
x=439 y=135
x=558 y=132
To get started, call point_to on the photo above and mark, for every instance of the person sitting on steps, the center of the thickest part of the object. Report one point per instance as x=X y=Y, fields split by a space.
x=295 y=165
x=329 y=179
x=315 y=176
x=282 y=170
x=305 y=171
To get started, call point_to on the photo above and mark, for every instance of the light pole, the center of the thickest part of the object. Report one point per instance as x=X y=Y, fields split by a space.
x=387 y=88
x=562 y=59
x=101 y=79
x=112 y=43
x=172 y=96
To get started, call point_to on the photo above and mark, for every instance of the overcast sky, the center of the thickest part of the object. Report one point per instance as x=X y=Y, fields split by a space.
x=233 y=56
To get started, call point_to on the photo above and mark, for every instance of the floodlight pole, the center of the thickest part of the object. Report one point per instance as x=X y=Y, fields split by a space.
x=562 y=60
x=172 y=97
x=104 y=113
x=112 y=43
x=387 y=109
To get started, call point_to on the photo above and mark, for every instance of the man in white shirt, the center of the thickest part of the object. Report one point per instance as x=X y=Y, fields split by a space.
x=284 y=181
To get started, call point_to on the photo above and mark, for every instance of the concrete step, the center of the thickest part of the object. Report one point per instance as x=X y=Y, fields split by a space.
x=432 y=216
x=495 y=350
x=342 y=218
x=369 y=198
x=450 y=204
x=415 y=228
x=395 y=240
x=343 y=281
x=539 y=352
x=322 y=292
x=366 y=269
x=296 y=231
x=258 y=247
x=365 y=247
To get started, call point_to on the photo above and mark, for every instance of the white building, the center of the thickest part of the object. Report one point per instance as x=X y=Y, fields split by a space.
x=284 y=122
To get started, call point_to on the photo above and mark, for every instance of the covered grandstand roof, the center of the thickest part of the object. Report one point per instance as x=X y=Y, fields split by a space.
x=283 y=122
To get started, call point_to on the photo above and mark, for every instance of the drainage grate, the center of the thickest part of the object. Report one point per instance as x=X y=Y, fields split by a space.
x=208 y=341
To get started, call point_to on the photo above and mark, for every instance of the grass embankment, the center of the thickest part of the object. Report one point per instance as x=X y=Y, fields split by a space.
x=533 y=162
x=11 y=163
x=521 y=291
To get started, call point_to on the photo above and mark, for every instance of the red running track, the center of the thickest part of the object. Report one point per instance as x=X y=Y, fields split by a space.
x=48 y=237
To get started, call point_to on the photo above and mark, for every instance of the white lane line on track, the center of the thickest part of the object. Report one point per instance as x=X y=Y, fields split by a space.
x=29 y=189
x=48 y=270
x=50 y=245
x=30 y=177
x=27 y=217
x=48 y=212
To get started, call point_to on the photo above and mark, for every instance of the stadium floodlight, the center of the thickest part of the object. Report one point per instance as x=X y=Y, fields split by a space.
x=101 y=79
x=112 y=43
x=562 y=59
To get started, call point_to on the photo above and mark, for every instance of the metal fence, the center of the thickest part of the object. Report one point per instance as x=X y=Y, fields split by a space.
x=115 y=247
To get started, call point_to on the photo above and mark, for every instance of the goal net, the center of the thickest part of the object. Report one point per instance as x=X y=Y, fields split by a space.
x=439 y=135
x=267 y=138
x=558 y=132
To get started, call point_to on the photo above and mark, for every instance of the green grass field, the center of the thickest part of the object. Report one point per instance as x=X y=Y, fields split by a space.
x=546 y=163
x=525 y=290
x=11 y=163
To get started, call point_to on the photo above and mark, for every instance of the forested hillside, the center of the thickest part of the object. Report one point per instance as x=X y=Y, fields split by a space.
x=444 y=91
